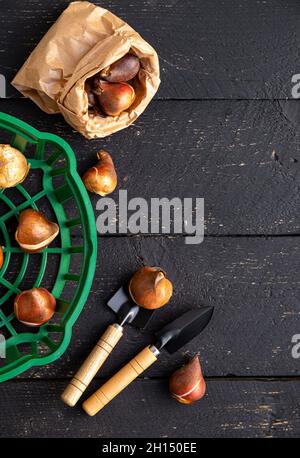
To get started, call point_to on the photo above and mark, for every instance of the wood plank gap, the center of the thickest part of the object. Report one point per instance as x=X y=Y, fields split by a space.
x=284 y=378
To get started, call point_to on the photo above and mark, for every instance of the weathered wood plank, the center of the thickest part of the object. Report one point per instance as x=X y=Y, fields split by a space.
x=207 y=48
x=219 y=150
x=253 y=283
x=229 y=409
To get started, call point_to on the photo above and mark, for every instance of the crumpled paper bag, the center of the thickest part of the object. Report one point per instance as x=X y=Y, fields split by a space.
x=85 y=39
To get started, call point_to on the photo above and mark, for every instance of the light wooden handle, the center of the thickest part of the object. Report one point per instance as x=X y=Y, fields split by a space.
x=119 y=381
x=92 y=364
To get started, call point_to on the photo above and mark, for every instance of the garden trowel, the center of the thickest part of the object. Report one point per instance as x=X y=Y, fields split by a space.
x=128 y=313
x=171 y=338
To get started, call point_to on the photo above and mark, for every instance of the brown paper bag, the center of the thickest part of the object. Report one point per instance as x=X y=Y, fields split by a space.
x=84 y=40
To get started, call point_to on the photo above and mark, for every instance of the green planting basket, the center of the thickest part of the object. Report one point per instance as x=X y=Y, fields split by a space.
x=68 y=263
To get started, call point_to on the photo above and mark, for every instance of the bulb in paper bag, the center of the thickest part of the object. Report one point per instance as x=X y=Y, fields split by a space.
x=114 y=98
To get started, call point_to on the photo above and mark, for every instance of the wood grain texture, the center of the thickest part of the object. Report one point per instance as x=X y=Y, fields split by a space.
x=253 y=283
x=243 y=157
x=119 y=381
x=208 y=49
x=92 y=364
x=222 y=151
x=229 y=409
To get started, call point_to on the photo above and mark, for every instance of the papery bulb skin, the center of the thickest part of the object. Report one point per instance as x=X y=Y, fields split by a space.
x=35 y=232
x=150 y=288
x=114 y=98
x=102 y=178
x=34 y=307
x=14 y=167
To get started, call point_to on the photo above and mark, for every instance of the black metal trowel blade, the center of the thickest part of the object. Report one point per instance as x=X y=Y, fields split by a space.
x=180 y=331
x=126 y=310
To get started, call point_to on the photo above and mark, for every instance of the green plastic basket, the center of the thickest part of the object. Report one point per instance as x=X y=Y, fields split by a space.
x=63 y=191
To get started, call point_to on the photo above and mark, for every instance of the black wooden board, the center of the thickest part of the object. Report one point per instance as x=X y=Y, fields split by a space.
x=248 y=408
x=221 y=151
x=252 y=283
x=222 y=128
x=207 y=49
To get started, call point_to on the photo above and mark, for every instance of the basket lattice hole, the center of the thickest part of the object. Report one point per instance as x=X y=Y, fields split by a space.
x=75 y=227
x=7 y=308
x=66 y=296
x=15 y=197
x=30 y=150
x=56 y=337
x=15 y=263
x=70 y=288
x=3 y=290
x=75 y=266
x=41 y=271
x=52 y=153
x=43 y=349
x=61 y=163
x=8 y=208
x=34 y=181
x=3 y=210
x=77 y=259
x=3 y=361
x=25 y=348
x=60 y=166
x=4 y=332
x=6 y=137
x=11 y=279
x=70 y=209
x=11 y=226
x=46 y=208
x=57 y=317
x=58 y=181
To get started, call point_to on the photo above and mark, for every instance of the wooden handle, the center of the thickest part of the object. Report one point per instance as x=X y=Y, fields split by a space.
x=92 y=364
x=119 y=381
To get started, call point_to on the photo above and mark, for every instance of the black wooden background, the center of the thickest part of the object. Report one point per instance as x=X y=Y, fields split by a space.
x=223 y=108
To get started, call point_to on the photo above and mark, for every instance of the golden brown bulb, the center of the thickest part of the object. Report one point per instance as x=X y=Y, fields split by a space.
x=13 y=167
x=92 y=99
x=102 y=178
x=34 y=307
x=35 y=232
x=114 y=98
x=150 y=288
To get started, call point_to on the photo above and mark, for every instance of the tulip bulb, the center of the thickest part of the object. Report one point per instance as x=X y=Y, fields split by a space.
x=150 y=288
x=13 y=167
x=114 y=98
x=1 y=257
x=123 y=69
x=34 y=307
x=101 y=179
x=92 y=99
x=187 y=384
x=35 y=232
